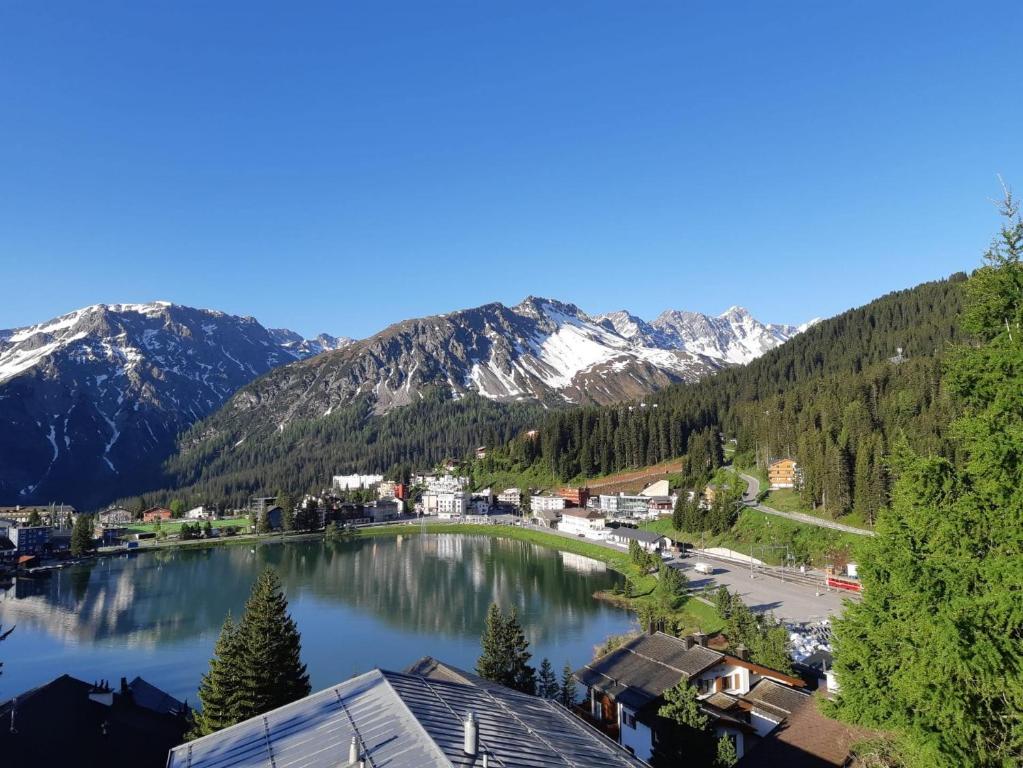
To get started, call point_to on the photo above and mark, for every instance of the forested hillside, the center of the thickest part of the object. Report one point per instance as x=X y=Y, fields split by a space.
x=305 y=454
x=835 y=397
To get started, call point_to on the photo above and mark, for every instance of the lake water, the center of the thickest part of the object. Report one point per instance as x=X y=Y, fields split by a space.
x=381 y=602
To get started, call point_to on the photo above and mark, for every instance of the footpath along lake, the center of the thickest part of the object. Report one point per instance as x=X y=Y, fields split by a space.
x=381 y=602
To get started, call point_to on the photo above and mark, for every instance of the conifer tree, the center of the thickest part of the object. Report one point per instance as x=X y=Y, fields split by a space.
x=727 y=756
x=81 y=536
x=567 y=691
x=221 y=684
x=505 y=656
x=272 y=672
x=934 y=651
x=683 y=733
x=546 y=681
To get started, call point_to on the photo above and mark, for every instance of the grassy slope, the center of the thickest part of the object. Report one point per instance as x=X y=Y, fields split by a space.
x=173 y=526
x=806 y=542
x=694 y=613
x=787 y=500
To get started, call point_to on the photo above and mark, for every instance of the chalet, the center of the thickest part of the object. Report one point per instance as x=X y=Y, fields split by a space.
x=583 y=522
x=153 y=514
x=511 y=497
x=743 y=700
x=71 y=722
x=783 y=473
x=650 y=541
x=430 y=716
x=548 y=518
x=115 y=516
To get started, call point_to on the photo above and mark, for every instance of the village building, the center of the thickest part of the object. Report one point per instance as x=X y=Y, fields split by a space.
x=576 y=497
x=388 y=489
x=115 y=516
x=583 y=522
x=69 y=722
x=783 y=473
x=511 y=497
x=200 y=513
x=153 y=514
x=53 y=515
x=30 y=540
x=649 y=541
x=430 y=716
x=354 y=482
x=546 y=518
x=744 y=701
x=544 y=503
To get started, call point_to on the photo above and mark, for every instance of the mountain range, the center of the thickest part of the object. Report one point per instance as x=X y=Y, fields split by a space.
x=94 y=401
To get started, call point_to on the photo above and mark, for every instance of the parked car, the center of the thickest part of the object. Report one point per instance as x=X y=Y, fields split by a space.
x=705 y=568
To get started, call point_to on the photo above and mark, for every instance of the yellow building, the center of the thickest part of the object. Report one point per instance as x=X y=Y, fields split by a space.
x=783 y=473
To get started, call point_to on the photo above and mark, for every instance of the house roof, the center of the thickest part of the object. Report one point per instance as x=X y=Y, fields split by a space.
x=775 y=698
x=645 y=667
x=408 y=721
x=807 y=739
x=91 y=734
x=588 y=514
x=648 y=537
x=547 y=514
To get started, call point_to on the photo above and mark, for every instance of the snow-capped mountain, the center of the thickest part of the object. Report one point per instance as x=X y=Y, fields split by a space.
x=91 y=402
x=303 y=348
x=541 y=349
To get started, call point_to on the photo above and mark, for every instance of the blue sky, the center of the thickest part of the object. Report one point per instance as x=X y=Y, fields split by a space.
x=341 y=166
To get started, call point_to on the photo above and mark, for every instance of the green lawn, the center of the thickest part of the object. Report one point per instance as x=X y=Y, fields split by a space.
x=768 y=535
x=173 y=526
x=787 y=500
x=694 y=614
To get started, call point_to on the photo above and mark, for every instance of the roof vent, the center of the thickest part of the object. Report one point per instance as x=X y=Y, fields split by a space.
x=471 y=735
x=353 y=751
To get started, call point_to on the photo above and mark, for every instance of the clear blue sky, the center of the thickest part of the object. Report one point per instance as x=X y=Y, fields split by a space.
x=337 y=166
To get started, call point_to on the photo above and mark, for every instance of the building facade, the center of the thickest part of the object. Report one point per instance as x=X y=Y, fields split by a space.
x=583 y=522
x=783 y=473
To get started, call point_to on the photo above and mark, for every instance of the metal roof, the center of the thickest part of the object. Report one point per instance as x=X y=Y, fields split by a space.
x=648 y=537
x=645 y=667
x=407 y=721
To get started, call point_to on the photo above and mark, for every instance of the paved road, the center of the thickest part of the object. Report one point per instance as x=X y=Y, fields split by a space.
x=749 y=498
x=769 y=590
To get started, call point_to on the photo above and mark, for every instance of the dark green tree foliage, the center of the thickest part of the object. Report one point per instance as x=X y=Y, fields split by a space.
x=727 y=755
x=671 y=586
x=505 y=656
x=34 y=519
x=186 y=531
x=81 y=535
x=766 y=638
x=567 y=691
x=272 y=674
x=546 y=681
x=221 y=684
x=283 y=500
x=683 y=733
x=935 y=648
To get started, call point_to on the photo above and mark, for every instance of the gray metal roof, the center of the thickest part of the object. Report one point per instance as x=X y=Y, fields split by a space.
x=407 y=721
x=645 y=667
x=648 y=537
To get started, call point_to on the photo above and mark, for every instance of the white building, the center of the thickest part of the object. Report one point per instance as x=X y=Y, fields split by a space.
x=511 y=497
x=354 y=482
x=446 y=504
x=199 y=513
x=546 y=503
x=650 y=541
x=585 y=522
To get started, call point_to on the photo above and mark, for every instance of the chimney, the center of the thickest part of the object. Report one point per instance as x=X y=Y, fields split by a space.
x=102 y=694
x=471 y=735
x=353 y=751
x=688 y=641
x=700 y=638
x=124 y=686
x=742 y=652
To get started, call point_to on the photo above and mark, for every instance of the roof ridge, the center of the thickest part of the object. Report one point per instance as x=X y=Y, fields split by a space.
x=412 y=715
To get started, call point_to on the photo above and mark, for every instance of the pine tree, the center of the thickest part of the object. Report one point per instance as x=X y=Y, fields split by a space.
x=546 y=681
x=221 y=685
x=933 y=650
x=683 y=733
x=567 y=691
x=81 y=536
x=505 y=656
x=727 y=756
x=272 y=674
x=34 y=519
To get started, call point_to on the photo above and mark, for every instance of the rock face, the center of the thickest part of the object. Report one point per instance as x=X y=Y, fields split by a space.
x=91 y=402
x=541 y=349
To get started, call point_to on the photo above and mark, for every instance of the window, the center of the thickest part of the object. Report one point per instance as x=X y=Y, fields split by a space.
x=630 y=720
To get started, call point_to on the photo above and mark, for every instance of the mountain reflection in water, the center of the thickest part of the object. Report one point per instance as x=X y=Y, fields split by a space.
x=372 y=602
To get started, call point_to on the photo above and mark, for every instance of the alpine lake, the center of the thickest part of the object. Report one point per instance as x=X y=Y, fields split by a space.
x=374 y=602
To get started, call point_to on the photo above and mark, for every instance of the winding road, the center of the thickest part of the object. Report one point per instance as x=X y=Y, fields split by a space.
x=749 y=498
